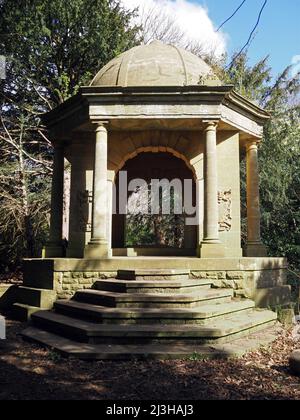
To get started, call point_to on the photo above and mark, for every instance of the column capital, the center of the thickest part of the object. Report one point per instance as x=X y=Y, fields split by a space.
x=210 y=125
x=253 y=144
x=100 y=125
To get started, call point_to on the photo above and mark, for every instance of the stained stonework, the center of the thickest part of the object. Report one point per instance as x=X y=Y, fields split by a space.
x=83 y=199
x=225 y=209
x=223 y=279
x=209 y=79
x=67 y=283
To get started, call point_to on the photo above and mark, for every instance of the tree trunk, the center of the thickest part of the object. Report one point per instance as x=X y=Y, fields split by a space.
x=28 y=230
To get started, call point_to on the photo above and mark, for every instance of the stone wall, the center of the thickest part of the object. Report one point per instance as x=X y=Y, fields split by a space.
x=67 y=283
x=266 y=287
x=8 y=294
x=260 y=279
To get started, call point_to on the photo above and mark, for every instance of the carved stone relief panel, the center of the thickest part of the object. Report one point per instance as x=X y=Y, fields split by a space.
x=225 y=209
x=84 y=199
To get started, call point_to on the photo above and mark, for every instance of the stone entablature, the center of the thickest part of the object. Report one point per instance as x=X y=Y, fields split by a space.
x=169 y=103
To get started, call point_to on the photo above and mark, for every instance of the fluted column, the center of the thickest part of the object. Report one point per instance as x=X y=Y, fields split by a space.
x=254 y=247
x=98 y=246
x=54 y=248
x=211 y=246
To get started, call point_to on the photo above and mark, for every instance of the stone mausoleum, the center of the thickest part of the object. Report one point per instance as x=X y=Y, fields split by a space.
x=155 y=111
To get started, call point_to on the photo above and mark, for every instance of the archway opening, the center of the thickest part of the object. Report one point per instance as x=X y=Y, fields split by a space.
x=159 y=187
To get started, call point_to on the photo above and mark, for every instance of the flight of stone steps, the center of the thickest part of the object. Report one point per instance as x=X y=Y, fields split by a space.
x=152 y=314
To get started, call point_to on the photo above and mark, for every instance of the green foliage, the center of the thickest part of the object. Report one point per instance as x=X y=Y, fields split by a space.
x=196 y=357
x=56 y=46
x=52 y=47
x=55 y=357
x=160 y=230
x=279 y=154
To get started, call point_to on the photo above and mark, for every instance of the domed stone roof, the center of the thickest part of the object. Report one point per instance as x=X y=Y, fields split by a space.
x=155 y=64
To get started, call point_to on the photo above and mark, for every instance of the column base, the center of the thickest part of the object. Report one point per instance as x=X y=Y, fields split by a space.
x=211 y=250
x=255 y=249
x=53 y=251
x=96 y=251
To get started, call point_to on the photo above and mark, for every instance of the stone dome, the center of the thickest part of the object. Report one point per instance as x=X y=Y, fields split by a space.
x=156 y=64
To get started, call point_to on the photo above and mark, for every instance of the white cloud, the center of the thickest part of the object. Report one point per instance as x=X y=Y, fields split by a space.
x=192 y=19
x=296 y=65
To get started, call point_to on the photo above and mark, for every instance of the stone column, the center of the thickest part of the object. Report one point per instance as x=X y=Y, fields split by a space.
x=211 y=246
x=110 y=211
x=54 y=248
x=254 y=247
x=98 y=246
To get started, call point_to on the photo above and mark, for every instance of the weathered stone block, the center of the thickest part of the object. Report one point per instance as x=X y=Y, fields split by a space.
x=107 y=275
x=198 y=274
x=235 y=275
x=70 y=281
x=39 y=273
x=90 y=275
x=77 y=275
x=295 y=362
x=85 y=281
x=40 y=298
x=8 y=296
x=76 y=287
x=229 y=284
x=272 y=296
x=58 y=277
x=286 y=316
x=212 y=275
x=65 y=295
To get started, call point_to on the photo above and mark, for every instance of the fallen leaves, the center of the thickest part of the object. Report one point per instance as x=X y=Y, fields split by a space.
x=28 y=372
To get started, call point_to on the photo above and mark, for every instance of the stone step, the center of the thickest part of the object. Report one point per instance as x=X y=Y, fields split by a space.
x=23 y=312
x=67 y=347
x=157 y=286
x=140 y=300
x=40 y=298
x=216 y=331
x=150 y=275
x=106 y=315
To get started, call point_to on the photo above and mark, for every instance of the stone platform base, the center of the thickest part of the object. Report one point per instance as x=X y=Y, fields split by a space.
x=260 y=279
x=83 y=351
x=8 y=296
x=146 y=311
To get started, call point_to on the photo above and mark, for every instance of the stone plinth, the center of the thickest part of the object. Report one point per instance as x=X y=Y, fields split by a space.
x=295 y=362
x=260 y=279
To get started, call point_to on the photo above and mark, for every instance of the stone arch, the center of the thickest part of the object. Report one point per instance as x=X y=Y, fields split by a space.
x=175 y=162
x=121 y=150
x=157 y=149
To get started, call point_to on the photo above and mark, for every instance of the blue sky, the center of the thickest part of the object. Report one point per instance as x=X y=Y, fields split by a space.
x=278 y=34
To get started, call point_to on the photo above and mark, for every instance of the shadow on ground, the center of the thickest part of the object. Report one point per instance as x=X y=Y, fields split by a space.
x=29 y=372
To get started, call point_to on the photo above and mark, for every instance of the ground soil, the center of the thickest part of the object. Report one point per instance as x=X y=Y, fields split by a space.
x=28 y=372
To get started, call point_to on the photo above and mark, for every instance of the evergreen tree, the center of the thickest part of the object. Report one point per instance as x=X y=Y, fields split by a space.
x=51 y=47
x=279 y=153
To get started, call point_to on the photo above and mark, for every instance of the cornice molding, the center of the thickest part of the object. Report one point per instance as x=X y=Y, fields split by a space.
x=87 y=97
